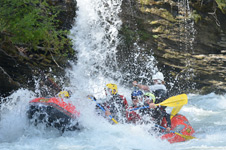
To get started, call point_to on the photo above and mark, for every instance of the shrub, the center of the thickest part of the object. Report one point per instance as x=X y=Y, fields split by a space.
x=31 y=23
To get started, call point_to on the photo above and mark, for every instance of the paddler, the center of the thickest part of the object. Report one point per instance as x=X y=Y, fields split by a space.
x=115 y=104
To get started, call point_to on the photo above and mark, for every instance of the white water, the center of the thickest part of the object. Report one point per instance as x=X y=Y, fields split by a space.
x=205 y=113
x=95 y=39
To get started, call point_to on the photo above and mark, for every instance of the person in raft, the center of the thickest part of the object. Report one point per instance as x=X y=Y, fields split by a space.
x=146 y=115
x=115 y=104
x=159 y=90
x=156 y=113
x=134 y=116
x=158 y=87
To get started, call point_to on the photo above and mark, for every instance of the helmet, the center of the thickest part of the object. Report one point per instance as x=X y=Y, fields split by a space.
x=136 y=94
x=150 y=96
x=63 y=94
x=158 y=76
x=112 y=88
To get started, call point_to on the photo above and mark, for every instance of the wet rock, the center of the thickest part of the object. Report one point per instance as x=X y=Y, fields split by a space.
x=188 y=44
x=67 y=13
x=20 y=67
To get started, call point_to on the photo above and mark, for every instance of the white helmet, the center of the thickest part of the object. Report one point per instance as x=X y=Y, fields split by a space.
x=158 y=76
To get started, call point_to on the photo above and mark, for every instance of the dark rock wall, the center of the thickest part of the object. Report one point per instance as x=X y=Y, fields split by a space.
x=20 y=67
x=188 y=44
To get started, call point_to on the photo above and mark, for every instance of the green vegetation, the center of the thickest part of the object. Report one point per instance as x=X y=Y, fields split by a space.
x=222 y=5
x=155 y=36
x=196 y=16
x=144 y=2
x=144 y=35
x=33 y=24
x=129 y=34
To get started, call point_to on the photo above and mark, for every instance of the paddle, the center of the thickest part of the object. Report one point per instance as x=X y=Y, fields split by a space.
x=103 y=109
x=175 y=111
x=174 y=101
x=177 y=108
x=186 y=137
x=139 y=108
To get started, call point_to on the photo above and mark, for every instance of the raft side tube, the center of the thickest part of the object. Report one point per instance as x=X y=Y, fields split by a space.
x=179 y=124
x=53 y=112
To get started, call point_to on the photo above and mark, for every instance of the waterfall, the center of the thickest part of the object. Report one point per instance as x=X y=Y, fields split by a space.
x=186 y=25
x=95 y=38
x=187 y=37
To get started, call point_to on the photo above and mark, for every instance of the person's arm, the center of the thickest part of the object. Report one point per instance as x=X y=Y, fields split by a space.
x=168 y=121
x=107 y=113
x=152 y=105
x=141 y=86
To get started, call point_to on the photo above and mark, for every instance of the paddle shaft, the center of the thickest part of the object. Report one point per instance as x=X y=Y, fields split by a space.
x=143 y=107
x=164 y=128
x=104 y=110
x=186 y=137
x=139 y=108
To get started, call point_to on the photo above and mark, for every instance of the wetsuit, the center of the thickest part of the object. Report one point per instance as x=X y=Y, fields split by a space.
x=132 y=116
x=117 y=106
x=160 y=92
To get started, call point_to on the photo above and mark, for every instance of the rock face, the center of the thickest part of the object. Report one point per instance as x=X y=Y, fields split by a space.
x=67 y=13
x=10 y=72
x=19 y=68
x=188 y=41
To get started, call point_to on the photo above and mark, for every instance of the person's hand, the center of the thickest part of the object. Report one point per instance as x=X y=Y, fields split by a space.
x=89 y=96
x=107 y=113
x=134 y=83
x=151 y=105
x=168 y=129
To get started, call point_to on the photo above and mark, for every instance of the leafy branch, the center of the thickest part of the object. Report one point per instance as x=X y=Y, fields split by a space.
x=32 y=23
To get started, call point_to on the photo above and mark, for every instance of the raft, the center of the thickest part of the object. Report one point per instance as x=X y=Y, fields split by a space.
x=54 y=112
x=179 y=124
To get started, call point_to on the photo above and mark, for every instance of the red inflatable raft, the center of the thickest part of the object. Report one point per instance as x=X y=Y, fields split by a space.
x=179 y=124
x=53 y=112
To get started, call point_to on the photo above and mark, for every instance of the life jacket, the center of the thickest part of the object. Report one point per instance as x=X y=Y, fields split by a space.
x=120 y=100
x=160 y=95
x=117 y=105
x=125 y=103
x=132 y=116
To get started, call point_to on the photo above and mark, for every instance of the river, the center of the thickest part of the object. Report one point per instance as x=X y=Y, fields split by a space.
x=95 y=38
x=204 y=112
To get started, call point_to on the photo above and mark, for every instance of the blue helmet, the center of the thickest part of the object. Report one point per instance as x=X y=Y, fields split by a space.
x=136 y=94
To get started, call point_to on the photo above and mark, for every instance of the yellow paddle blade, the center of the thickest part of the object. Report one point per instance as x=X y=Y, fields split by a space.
x=186 y=137
x=175 y=111
x=175 y=101
x=114 y=120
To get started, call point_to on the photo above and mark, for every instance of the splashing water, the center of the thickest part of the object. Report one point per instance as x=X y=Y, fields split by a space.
x=186 y=36
x=205 y=113
x=95 y=38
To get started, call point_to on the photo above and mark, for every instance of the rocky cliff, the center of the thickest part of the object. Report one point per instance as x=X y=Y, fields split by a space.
x=187 y=40
x=21 y=67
